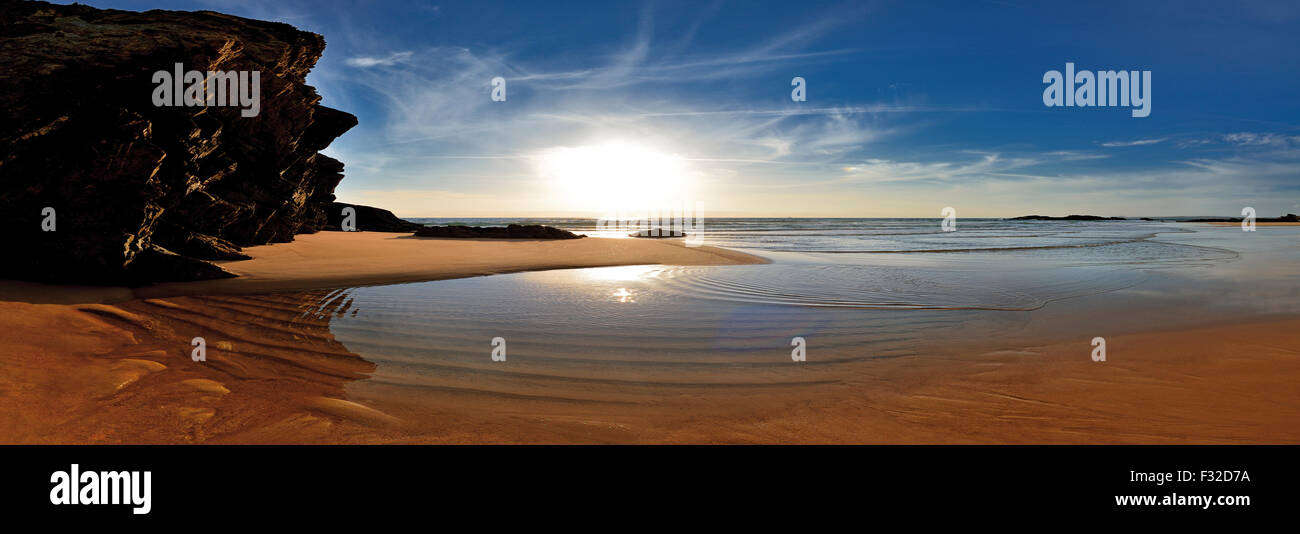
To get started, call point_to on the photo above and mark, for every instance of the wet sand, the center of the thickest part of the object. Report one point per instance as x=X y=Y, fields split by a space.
x=123 y=374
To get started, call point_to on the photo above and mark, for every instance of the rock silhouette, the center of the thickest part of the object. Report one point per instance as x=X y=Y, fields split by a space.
x=368 y=219
x=1290 y=217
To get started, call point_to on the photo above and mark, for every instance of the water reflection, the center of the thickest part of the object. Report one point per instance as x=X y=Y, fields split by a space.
x=624 y=296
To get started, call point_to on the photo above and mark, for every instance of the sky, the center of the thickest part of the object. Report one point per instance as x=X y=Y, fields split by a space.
x=910 y=106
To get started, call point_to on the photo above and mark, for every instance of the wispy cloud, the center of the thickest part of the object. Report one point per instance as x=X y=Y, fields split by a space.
x=995 y=184
x=378 y=61
x=1139 y=142
x=1263 y=139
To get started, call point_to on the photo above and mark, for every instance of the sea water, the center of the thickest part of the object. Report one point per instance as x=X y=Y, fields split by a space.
x=852 y=289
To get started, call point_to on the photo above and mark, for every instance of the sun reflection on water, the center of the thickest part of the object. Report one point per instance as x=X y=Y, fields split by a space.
x=625 y=273
x=623 y=295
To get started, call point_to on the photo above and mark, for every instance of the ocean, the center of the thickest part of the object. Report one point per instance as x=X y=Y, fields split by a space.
x=913 y=263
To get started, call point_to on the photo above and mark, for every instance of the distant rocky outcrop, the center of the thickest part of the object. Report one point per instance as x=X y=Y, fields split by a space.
x=368 y=219
x=1067 y=218
x=1290 y=217
x=513 y=231
x=658 y=233
x=141 y=192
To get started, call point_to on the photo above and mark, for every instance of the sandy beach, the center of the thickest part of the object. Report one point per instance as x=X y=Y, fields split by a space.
x=338 y=259
x=335 y=259
x=121 y=372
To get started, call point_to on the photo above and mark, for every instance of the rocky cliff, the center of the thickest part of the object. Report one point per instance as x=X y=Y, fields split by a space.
x=138 y=192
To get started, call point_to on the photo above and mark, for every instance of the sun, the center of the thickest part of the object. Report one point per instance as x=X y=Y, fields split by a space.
x=614 y=176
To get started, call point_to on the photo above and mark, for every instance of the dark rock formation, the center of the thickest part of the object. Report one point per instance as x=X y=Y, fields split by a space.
x=199 y=246
x=368 y=219
x=1067 y=218
x=1290 y=217
x=141 y=192
x=658 y=233
x=513 y=231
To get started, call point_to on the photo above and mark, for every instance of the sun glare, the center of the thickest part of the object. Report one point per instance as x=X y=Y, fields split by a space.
x=615 y=176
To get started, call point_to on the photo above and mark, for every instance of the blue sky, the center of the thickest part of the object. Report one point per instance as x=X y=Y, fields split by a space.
x=912 y=106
